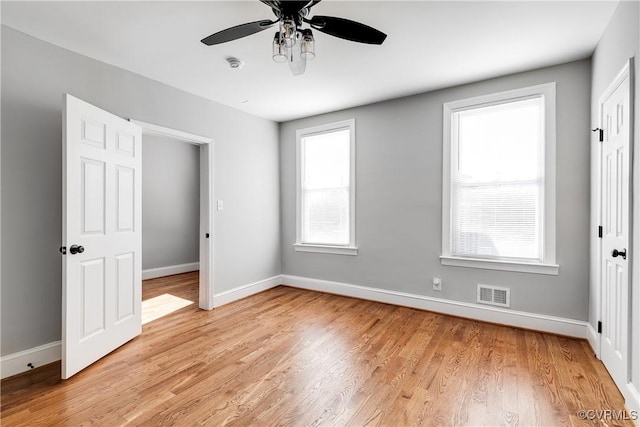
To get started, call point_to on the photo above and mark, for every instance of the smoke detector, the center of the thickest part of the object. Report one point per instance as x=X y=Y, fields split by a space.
x=235 y=63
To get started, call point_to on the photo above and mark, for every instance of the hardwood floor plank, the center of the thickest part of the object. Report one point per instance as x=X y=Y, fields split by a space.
x=293 y=357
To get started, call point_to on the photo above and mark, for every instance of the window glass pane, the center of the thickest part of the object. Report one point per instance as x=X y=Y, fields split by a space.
x=497 y=182
x=326 y=160
x=325 y=188
x=326 y=216
x=501 y=142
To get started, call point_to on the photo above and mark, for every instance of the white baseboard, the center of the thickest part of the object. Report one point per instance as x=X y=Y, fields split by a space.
x=632 y=400
x=244 y=291
x=16 y=363
x=594 y=339
x=538 y=322
x=152 y=273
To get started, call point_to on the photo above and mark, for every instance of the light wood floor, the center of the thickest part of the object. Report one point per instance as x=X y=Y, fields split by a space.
x=294 y=357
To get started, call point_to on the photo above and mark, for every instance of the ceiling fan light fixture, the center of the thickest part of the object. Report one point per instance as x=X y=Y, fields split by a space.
x=292 y=43
x=279 y=49
x=307 y=49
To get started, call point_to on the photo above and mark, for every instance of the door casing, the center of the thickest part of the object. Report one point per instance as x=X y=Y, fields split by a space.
x=206 y=282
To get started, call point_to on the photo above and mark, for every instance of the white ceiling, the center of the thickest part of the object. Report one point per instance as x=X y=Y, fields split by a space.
x=430 y=45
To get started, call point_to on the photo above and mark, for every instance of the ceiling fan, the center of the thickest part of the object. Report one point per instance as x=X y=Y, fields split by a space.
x=292 y=43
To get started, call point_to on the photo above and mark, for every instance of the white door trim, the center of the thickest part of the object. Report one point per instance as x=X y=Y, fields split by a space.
x=206 y=290
x=151 y=129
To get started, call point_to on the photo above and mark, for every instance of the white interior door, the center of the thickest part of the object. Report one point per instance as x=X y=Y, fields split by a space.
x=102 y=282
x=615 y=257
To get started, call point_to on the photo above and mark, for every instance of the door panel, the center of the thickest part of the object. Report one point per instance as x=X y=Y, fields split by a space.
x=92 y=297
x=125 y=197
x=125 y=144
x=92 y=196
x=102 y=216
x=125 y=287
x=94 y=133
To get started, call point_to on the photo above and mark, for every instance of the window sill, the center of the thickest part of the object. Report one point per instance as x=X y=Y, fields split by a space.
x=521 y=267
x=326 y=249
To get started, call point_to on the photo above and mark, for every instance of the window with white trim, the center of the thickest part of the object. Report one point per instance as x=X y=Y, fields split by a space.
x=499 y=181
x=325 y=205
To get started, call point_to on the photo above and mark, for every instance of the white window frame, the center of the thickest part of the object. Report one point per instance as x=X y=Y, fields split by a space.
x=350 y=248
x=548 y=264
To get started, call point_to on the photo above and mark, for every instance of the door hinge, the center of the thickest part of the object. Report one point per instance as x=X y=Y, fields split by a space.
x=207 y=235
x=600 y=133
x=63 y=250
x=599 y=327
x=600 y=231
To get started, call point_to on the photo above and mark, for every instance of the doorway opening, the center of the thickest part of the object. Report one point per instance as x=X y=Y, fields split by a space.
x=170 y=225
x=177 y=247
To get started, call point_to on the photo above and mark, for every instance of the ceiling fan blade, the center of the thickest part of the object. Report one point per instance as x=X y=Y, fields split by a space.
x=273 y=4
x=347 y=29
x=237 y=32
x=297 y=64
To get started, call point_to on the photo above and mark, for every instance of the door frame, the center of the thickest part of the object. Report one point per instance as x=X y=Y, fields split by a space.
x=625 y=73
x=206 y=282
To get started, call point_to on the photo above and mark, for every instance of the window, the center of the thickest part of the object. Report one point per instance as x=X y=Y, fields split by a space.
x=499 y=181
x=325 y=189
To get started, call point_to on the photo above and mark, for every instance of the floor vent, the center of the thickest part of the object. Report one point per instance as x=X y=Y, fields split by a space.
x=494 y=295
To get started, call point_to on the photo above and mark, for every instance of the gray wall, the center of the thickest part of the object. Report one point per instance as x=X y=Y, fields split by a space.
x=399 y=199
x=170 y=202
x=35 y=75
x=620 y=42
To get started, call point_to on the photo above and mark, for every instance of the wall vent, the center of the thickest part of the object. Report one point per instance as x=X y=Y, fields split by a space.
x=494 y=295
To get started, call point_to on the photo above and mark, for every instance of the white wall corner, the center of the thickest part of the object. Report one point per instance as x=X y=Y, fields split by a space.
x=16 y=363
x=533 y=321
x=594 y=339
x=152 y=273
x=244 y=291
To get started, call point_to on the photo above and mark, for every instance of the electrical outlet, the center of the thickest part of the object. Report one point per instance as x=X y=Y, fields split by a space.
x=220 y=205
x=437 y=284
